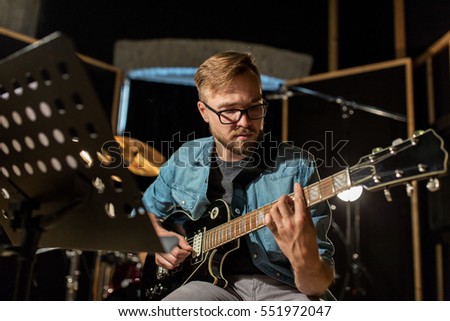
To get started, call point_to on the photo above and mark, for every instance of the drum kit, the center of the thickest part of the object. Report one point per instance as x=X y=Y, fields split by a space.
x=117 y=275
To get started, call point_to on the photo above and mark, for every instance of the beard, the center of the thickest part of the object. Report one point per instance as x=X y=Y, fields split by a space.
x=239 y=148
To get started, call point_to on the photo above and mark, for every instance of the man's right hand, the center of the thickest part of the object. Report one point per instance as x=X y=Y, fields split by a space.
x=177 y=254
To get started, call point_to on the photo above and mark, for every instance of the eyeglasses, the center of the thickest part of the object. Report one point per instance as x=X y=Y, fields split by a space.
x=231 y=116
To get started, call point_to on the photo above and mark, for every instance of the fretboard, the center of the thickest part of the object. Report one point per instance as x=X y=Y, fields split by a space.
x=242 y=225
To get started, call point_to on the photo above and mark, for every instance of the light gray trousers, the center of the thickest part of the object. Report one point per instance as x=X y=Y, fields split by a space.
x=257 y=287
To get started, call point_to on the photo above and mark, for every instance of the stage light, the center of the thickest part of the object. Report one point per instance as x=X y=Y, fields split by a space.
x=351 y=195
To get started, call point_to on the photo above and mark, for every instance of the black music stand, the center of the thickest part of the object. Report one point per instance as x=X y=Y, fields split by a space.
x=62 y=179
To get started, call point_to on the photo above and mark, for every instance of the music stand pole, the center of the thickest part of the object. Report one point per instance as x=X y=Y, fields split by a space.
x=74 y=272
x=32 y=227
x=22 y=212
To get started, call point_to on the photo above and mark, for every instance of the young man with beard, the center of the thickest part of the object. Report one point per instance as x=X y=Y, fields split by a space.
x=282 y=253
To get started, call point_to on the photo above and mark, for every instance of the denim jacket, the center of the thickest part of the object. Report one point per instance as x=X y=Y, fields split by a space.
x=183 y=181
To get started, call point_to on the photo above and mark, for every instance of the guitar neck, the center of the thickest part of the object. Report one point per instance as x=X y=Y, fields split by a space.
x=254 y=220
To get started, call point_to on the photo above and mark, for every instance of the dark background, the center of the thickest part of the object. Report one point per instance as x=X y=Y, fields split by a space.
x=366 y=36
x=365 y=28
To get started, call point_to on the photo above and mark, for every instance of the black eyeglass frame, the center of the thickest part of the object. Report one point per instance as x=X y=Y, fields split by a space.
x=265 y=104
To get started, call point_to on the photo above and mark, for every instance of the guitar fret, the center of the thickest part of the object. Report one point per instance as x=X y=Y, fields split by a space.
x=214 y=237
x=326 y=188
x=204 y=245
x=220 y=237
x=204 y=241
x=232 y=231
x=260 y=218
x=314 y=193
x=341 y=181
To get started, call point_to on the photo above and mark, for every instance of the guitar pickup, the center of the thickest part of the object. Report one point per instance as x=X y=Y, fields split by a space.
x=197 y=244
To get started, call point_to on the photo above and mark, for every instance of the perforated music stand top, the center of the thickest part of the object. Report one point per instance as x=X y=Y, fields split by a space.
x=58 y=149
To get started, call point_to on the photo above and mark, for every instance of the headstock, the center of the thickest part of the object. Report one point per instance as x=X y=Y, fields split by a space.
x=419 y=157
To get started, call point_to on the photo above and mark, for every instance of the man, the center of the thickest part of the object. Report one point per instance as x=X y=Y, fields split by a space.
x=288 y=255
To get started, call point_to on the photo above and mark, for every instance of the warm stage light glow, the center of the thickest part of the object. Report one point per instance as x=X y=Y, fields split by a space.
x=351 y=194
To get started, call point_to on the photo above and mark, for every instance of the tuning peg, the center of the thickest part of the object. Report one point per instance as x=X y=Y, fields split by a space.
x=433 y=185
x=397 y=141
x=422 y=168
x=398 y=173
x=409 y=189
x=387 y=194
x=376 y=150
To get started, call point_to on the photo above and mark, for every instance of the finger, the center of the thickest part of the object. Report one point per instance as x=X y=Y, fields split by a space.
x=286 y=206
x=174 y=256
x=301 y=205
x=299 y=196
x=290 y=203
x=164 y=261
x=183 y=244
x=275 y=214
x=268 y=221
x=174 y=260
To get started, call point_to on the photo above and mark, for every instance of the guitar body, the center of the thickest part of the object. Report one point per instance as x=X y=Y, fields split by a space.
x=206 y=266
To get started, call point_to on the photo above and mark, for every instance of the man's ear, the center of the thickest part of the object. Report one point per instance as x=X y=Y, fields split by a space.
x=203 y=111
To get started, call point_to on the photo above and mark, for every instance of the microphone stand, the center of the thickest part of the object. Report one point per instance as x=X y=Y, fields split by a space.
x=356 y=290
x=347 y=106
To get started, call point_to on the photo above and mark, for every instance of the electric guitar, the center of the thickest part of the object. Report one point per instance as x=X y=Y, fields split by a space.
x=216 y=234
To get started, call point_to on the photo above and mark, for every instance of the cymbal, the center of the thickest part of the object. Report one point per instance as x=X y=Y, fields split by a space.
x=141 y=158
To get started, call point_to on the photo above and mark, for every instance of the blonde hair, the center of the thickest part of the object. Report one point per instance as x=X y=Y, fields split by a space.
x=220 y=69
